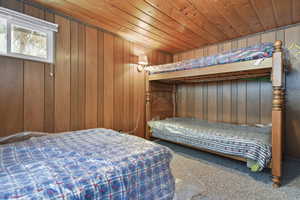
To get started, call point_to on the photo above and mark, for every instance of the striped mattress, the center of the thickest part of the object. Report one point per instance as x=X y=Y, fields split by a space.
x=249 y=142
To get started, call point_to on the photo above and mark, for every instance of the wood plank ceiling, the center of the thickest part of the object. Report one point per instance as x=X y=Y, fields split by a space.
x=179 y=25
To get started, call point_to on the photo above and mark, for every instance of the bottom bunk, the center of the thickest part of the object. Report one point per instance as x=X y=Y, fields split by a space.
x=242 y=142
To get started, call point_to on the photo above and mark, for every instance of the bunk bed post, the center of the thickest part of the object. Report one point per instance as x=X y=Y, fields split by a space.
x=277 y=114
x=148 y=106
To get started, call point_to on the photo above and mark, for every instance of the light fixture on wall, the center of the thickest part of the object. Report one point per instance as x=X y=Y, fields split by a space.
x=142 y=62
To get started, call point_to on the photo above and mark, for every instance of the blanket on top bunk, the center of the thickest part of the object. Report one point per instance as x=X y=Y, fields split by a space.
x=264 y=50
x=89 y=164
x=245 y=141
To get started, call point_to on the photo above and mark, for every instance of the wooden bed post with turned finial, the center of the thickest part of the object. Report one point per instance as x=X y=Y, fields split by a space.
x=277 y=113
x=148 y=107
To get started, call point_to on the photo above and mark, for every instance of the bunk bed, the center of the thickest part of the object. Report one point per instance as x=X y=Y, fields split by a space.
x=261 y=144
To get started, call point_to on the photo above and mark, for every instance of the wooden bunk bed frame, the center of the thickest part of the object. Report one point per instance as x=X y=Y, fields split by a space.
x=161 y=96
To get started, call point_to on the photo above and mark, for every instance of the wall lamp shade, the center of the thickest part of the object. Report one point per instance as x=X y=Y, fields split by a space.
x=142 y=62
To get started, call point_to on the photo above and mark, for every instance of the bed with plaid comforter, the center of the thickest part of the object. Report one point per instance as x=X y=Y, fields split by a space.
x=89 y=164
x=249 y=142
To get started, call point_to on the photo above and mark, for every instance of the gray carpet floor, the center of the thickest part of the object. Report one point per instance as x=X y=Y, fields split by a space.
x=203 y=176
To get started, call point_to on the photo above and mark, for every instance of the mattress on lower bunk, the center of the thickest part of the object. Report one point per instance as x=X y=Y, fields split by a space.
x=90 y=164
x=249 y=142
x=259 y=51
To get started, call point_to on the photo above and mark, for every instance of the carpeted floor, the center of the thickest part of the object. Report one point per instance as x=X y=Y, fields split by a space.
x=203 y=176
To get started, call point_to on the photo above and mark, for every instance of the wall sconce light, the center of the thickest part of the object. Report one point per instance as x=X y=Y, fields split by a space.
x=142 y=62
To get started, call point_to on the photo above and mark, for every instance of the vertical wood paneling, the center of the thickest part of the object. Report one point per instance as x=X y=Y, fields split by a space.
x=141 y=105
x=118 y=83
x=62 y=75
x=108 y=80
x=11 y=96
x=34 y=86
x=131 y=89
x=126 y=84
x=198 y=101
x=100 y=78
x=190 y=100
x=33 y=89
x=205 y=100
x=253 y=92
x=212 y=93
x=242 y=102
x=234 y=101
x=81 y=76
x=227 y=95
x=242 y=92
x=49 y=90
x=91 y=72
x=212 y=102
x=74 y=121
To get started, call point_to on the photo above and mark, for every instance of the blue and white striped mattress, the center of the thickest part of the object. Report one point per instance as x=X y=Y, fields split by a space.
x=249 y=142
x=90 y=164
x=259 y=51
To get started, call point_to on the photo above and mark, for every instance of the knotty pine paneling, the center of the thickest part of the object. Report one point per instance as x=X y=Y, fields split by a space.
x=96 y=83
x=247 y=102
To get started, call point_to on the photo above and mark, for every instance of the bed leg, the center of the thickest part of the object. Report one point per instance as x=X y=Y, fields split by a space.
x=276 y=181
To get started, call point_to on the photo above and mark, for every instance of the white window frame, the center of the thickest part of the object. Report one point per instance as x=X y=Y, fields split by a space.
x=31 y=23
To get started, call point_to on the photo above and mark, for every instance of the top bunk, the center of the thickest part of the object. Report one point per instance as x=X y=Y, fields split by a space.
x=251 y=62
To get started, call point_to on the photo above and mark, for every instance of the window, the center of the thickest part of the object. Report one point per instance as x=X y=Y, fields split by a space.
x=26 y=37
x=3 y=35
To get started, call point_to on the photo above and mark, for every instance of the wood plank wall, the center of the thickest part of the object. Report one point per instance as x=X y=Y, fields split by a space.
x=246 y=102
x=96 y=83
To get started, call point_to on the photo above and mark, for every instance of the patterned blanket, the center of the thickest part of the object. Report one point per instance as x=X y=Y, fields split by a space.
x=245 y=141
x=264 y=50
x=89 y=164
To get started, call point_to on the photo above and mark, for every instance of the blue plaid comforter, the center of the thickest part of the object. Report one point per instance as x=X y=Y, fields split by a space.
x=90 y=164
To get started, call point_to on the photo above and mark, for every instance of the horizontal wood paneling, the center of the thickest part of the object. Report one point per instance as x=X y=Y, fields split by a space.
x=248 y=102
x=96 y=83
